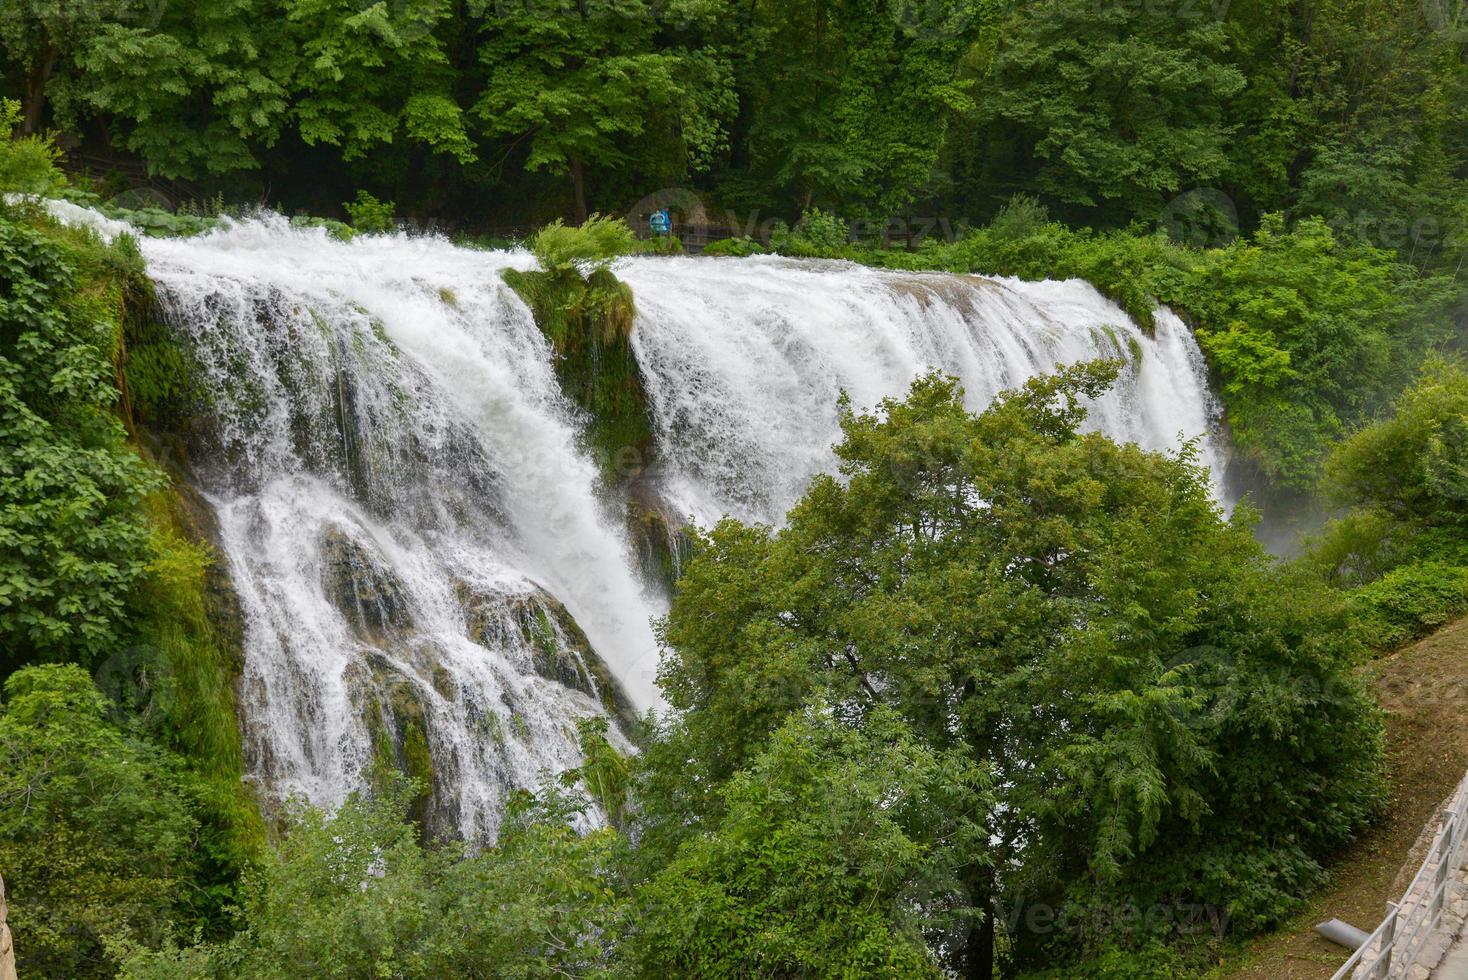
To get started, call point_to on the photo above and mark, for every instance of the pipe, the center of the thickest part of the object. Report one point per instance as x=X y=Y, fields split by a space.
x=1342 y=933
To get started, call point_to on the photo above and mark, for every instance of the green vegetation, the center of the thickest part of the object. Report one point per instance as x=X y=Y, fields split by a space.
x=370 y=215
x=898 y=715
x=96 y=826
x=125 y=817
x=993 y=687
x=587 y=314
x=1401 y=544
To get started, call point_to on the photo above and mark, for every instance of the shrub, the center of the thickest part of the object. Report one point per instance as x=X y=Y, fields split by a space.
x=369 y=215
x=593 y=244
x=27 y=163
x=737 y=247
x=1410 y=601
x=96 y=832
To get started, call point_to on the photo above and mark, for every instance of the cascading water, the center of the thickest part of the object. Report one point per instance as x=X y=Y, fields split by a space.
x=428 y=574
x=743 y=361
x=404 y=509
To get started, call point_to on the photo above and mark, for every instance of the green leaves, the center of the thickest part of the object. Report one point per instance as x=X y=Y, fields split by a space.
x=95 y=825
x=1074 y=616
x=72 y=544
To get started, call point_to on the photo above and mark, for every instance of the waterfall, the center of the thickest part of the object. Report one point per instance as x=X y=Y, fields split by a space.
x=430 y=571
x=743 y=361
x=416 y=539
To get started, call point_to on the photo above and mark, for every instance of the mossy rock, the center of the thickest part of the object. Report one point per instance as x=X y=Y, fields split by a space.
x=559 y=649
x=661 y=540
x=366 y=593
x=397 y=721
x=589 y=320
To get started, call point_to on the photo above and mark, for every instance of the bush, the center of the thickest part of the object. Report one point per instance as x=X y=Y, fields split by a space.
x=819 y=234
x=1409 y=602
x=27 y=163
x=594 y=244
x=735 y=247
x=96 y=830
x=369 y=215
x=73 y=542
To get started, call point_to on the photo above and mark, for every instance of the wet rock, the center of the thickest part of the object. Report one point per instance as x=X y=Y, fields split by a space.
x=362 y=589
x=558 y=650
x=661 y=539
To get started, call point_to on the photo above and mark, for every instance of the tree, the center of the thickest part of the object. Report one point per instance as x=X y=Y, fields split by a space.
x=848 y=102
x=96 y=826
x=1158 y=703
x=1308 y=333
x=586 y=86
x=836 y=852
x=1115 y=104
x=39 y=36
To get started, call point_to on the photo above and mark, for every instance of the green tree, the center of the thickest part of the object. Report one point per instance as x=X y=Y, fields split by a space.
x=1307 y=333
x=96 y=829
x=1158 y=702
x=847 y=102
x=836 y=852
x=586 y=86
x=1111 y=104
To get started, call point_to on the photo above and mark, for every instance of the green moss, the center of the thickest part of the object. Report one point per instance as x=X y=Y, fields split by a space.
x=400 y=749
x=587 y=314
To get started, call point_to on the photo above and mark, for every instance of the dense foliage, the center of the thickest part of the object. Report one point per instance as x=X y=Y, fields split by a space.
x=124 y=816
x=1000 y=697
x=964 y=713
x=97 y=829
x=1403 y=542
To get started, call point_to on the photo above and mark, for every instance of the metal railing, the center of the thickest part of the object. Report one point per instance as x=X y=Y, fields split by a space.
x=1391 y=950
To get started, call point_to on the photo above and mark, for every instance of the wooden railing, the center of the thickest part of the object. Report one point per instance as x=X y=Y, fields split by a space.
x=1392 y=949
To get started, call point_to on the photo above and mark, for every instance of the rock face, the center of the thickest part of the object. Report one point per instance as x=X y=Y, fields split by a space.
x=7 y=948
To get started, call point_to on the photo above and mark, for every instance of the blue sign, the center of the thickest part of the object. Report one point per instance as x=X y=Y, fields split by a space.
x=659 y=221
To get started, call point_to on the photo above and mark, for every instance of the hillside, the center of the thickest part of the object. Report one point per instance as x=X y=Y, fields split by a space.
x=1422 y=689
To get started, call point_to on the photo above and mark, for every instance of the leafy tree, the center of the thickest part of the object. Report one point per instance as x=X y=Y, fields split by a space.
x=836 y=852
x=848 y=101
x=38 y=36
x=1307 y=333
x=370 y=72
x=194 y=88
x=96 y=827
x=584 y=86
x=1157 y=701
x=1115 y=102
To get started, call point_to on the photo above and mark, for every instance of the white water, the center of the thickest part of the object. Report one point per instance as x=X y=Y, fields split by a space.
x=384 y=415
x=744 y=359
x=400 y=492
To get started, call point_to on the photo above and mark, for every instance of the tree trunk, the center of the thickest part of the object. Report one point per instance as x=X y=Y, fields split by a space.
x=35 y=91
x=578 y=181
x=978 y=959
